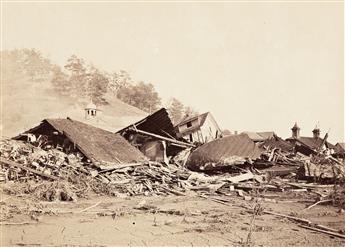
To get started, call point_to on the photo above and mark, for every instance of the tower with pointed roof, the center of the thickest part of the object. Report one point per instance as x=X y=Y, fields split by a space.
x=295 y=131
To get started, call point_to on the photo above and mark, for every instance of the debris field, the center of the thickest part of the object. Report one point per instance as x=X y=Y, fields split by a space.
x=66 y=160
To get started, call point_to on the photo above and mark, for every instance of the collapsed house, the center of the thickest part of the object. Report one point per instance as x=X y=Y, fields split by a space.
x=198 y=129
x=309 y=145
x=100 y=147
x=155 y=136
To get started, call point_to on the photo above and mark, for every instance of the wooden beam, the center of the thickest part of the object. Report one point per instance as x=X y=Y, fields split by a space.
x=164 y=138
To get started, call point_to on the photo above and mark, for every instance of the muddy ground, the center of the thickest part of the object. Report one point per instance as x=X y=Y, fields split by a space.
x=165 y=221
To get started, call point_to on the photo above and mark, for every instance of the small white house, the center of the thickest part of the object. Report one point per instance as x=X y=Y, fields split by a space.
x=201 y=129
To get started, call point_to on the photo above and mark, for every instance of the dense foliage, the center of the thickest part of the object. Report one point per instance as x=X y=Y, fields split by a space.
x=77 y=80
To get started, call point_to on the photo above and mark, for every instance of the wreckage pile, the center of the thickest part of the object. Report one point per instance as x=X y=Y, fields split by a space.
x=74 y=177
x=51 y=174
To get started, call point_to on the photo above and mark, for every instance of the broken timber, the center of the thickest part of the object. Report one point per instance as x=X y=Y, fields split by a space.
x=172 y=141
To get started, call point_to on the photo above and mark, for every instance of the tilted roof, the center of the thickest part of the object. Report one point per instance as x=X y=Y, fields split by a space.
x=219 y=150
x=101 y=147
x=311 y=142
x=201 y=120
x=158 y=123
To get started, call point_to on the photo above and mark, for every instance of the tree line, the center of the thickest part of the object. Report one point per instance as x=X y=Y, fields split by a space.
x=78 y=79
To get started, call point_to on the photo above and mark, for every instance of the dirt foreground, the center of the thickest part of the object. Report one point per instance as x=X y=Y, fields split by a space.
x=163 y=221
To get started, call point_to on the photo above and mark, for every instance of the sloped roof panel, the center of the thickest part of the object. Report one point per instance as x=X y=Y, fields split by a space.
x=219 y=150
x=100 y=146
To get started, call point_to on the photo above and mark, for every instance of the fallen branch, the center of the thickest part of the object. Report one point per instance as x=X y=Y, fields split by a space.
x=323 y=231
x=322 y=201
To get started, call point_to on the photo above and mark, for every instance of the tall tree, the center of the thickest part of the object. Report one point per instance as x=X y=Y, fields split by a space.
x=77 y=76
x=189 y=111
x=60 y=82
x=141 y=95
x=97 y=85
x=118 y=80
x=175 y=110
x=36 y=66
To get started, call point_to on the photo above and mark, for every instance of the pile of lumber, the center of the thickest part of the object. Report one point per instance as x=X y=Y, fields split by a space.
x=23 y=162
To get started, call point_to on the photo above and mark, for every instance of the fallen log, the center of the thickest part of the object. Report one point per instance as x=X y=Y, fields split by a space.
x=323 y=231
x=322 y=201
x=14 y=164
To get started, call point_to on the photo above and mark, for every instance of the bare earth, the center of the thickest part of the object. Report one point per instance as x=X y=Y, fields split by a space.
x=164 y=221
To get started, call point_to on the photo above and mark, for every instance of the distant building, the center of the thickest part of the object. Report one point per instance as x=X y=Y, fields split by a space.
x=198 y=129
x=309 y=145
x=259 y=136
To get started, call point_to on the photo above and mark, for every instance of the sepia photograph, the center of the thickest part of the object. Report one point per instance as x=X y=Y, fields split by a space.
x=172 y=123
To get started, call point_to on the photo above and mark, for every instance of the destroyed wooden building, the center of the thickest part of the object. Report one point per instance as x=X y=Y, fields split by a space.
x=100 y=147
x=155 y=136
x=309 y=145
x=199 y=129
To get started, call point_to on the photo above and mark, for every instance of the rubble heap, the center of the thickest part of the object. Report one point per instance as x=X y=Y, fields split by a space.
x=24 y=162
x=52 y=174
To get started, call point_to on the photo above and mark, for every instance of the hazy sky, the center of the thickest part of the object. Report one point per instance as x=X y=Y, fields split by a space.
x=255 y=66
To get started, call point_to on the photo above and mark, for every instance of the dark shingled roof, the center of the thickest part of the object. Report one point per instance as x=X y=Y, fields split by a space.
x=311 y=142
x=102 y=147
x=158 y=123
